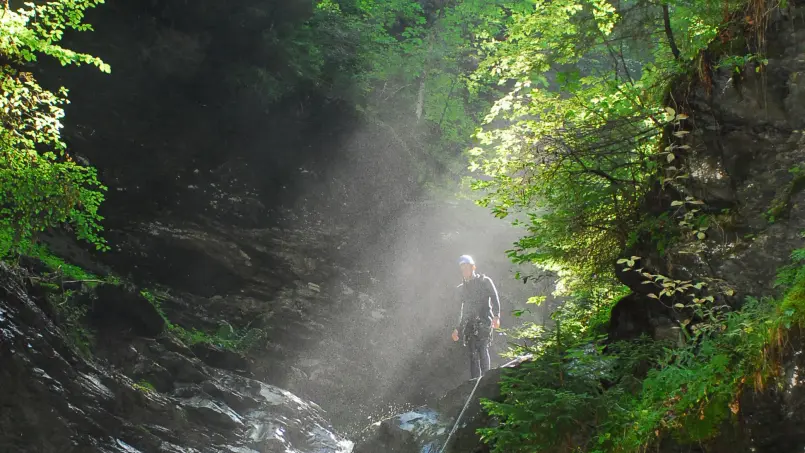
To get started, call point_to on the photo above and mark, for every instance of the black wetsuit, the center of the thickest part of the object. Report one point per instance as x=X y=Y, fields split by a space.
x=479 y=302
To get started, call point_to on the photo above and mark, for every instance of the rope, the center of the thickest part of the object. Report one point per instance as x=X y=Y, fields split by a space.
x=472 y=393
x=458 y=420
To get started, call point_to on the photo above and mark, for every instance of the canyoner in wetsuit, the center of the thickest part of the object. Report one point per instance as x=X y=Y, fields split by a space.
x=478 y=316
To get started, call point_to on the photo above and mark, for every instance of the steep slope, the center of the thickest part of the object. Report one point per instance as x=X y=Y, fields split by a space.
x=56 y=400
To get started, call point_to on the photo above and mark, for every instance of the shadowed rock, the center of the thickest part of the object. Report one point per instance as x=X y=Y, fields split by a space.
x=54 y=400
x=114 y=304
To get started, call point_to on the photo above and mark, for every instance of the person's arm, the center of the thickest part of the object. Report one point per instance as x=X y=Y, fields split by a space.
x=458 y=299
x=494 y=300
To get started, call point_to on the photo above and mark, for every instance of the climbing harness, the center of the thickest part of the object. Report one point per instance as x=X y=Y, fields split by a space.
x=458 y=420
x=472 y=393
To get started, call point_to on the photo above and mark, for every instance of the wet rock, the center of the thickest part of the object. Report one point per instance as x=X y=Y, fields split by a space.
x=426 y=429
x=182 y=368
x=221 y=358
x=390 y=436
x=155 y=374
x=746 y=144
x=53 y=398
x=212 y=413
x=170 y=343
x=748 y=140
x=231 y=397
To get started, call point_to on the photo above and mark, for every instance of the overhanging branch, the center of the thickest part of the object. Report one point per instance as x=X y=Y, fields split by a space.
x=666 y=18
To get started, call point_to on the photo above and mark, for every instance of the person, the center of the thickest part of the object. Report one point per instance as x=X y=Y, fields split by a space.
x=479 y=315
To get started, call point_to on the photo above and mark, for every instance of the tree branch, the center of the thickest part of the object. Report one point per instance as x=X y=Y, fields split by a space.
x=447 y=101
x=666 y=18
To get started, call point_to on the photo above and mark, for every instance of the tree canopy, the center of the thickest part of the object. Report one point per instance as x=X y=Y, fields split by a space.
x=41 y=185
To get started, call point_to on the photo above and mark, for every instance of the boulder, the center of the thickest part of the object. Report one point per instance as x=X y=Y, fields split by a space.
x=425 y=429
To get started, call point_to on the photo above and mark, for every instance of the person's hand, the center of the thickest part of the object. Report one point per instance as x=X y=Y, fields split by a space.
x=455 y=335
x=496 y=322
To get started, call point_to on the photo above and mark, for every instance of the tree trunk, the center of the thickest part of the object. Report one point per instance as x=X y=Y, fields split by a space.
x=420 y=100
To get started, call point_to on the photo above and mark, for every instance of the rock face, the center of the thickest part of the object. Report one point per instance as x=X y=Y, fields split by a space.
x=426 y=429
x=747 y=163
x=352 y=340
x=294 y=216
x=151 y=395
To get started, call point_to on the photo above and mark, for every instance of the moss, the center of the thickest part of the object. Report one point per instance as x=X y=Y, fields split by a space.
x=226 y=337
x=782 y=201
x=144 y=386
x=155 y=298
x=70 y=316
x=794 y=299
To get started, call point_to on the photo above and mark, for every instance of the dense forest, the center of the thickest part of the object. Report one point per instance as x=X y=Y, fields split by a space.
x=595 y=127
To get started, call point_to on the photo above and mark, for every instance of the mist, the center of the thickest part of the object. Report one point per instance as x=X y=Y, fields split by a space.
x=397 y=270
x=307 y=163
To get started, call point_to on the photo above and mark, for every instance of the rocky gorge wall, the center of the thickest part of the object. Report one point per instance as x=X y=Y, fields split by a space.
x=300 y=220
x=746 y=164
x=138 y=394
x=292 y=216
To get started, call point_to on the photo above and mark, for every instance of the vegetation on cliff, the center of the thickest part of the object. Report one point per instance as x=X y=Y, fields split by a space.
x=41 y=184
x=589 y=150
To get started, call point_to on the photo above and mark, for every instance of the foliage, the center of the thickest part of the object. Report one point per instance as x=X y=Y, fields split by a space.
x=40 y=184
x=69 y=315
x=577 y=150
x=67 y=311
x=225 y=337
x=792 y=277
x=575 y=397
x=780 y=204
x=407 y=65
x=737 y=63
x=560 y=400
x=582 y=136
x=144 y=386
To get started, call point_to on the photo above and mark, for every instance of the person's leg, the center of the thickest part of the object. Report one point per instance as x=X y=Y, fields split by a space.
x=483 y=352
x=485 y=360
x=475 y=356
